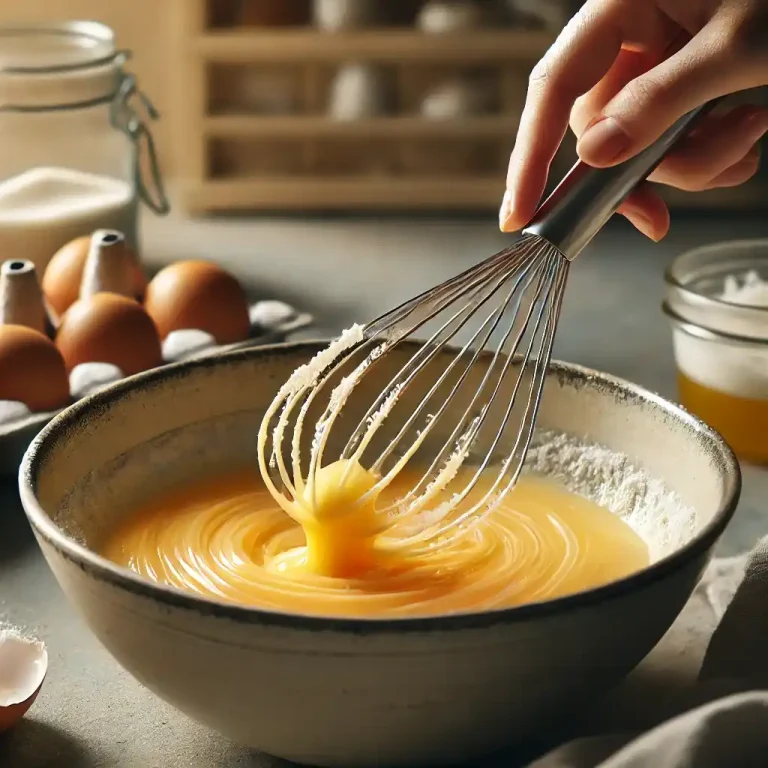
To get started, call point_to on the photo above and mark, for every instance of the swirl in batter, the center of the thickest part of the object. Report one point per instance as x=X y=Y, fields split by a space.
x=227 y=539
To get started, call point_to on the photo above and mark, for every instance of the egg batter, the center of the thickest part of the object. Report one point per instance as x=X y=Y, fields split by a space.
x=227 y=539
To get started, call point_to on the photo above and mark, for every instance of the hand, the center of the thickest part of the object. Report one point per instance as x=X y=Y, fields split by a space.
x=621 y=72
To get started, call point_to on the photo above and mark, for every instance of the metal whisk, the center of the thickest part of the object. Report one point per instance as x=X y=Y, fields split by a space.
x=514 y=298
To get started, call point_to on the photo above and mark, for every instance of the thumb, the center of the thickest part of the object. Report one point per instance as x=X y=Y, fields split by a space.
x=643 y=109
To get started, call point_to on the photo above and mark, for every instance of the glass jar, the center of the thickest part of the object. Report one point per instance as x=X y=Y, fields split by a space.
x=721 y=347
x=73 y=140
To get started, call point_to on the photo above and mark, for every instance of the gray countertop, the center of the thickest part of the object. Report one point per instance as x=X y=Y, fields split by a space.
x=91 y=713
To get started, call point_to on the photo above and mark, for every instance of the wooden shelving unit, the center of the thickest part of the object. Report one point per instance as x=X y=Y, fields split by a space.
x=400 y=160
x=240 y=158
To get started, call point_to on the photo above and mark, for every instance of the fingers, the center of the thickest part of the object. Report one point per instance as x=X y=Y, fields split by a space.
x=723 y=152
x=703 y=69
x=627 y=66
x=582 y=55
x=647 y=211
x=719 y=144
x=737 y=174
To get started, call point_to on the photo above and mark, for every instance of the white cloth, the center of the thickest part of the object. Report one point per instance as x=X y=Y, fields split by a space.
x=718 y=718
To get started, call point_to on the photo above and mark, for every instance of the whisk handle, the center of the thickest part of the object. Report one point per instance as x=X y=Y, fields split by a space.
x=578 y=208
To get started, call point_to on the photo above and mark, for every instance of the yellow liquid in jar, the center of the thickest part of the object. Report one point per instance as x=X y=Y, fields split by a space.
x=227 y=539
x=742 y=421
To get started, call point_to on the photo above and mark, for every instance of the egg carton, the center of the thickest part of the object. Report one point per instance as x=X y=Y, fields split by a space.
x=271 y=322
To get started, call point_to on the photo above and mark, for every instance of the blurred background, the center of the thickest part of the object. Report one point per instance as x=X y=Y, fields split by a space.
x=341 y=155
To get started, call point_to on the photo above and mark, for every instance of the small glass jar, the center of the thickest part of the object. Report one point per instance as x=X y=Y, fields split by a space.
x=73 y=145
x=720 y=346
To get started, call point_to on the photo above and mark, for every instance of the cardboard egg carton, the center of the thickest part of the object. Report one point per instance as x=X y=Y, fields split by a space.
x=271 y=322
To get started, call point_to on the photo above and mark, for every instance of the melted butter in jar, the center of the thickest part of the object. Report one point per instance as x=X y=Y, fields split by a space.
x=227 y=539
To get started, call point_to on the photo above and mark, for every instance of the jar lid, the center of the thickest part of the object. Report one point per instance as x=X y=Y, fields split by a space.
x=696 y=281
x=57 y=66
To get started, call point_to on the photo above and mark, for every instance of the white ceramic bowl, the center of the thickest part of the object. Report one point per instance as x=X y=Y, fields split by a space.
x=355 y=692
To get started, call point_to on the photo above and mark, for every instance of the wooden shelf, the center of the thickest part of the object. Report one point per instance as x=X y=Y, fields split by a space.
x=236 y=160
x=448 y=192
x=319 y=127
x=395 y=45
x=354 y=193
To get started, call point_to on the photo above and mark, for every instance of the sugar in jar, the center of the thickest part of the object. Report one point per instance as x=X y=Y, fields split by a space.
x=717 y=302
x=74 y=139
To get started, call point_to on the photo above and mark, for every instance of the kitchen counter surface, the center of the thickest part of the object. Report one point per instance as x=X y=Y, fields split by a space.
x=91 y=713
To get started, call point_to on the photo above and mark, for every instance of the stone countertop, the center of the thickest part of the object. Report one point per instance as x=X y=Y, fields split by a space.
x=90 y=713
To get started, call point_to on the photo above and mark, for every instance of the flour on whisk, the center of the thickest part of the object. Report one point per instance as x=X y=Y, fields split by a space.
x=609 y=479
x=306 y=375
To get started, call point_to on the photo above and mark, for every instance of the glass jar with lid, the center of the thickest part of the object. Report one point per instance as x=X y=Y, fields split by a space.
x=717 y=301
x=76 y=152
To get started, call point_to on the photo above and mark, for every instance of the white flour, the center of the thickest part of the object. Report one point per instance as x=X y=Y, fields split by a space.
x=44 y=208
x=609 y=479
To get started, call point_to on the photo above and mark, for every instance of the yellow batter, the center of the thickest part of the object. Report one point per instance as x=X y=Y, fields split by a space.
x=228 y=539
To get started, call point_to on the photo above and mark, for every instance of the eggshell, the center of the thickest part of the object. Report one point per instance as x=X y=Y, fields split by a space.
x=23 y=666
x=201 y=295
x=32 y=370
x=64 y=275
x=108 y=328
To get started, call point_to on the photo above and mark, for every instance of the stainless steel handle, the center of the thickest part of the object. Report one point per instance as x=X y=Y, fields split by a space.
x=581 y=204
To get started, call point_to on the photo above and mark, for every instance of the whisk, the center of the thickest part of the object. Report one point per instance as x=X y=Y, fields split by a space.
x=513 y=297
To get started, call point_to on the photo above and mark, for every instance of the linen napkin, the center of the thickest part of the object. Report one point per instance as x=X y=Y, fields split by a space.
x=721 y=719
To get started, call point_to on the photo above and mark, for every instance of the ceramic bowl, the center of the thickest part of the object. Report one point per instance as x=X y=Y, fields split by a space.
x=340 y=692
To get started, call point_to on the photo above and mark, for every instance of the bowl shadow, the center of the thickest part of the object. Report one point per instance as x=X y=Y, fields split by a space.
x=16 y=535
x=34 y=743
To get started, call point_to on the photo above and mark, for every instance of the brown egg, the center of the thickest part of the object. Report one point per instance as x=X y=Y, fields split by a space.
x=108 y=328
x=198 y=294
x=32 y=370
x=64 y=275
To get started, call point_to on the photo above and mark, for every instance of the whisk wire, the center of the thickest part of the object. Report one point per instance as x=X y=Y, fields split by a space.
x=449 y=445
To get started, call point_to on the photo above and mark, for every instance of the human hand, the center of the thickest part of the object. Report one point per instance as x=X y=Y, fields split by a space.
x=621 y=72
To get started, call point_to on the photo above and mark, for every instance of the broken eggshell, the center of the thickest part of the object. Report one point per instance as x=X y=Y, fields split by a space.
x=23 y=666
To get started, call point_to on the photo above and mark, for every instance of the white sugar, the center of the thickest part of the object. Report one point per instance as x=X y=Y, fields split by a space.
x=749 y=289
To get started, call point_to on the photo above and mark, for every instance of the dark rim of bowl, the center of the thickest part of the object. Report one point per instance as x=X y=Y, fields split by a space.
x=101 y=568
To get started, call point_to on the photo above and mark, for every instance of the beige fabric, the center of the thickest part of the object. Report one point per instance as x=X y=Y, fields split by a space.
x=714 y=718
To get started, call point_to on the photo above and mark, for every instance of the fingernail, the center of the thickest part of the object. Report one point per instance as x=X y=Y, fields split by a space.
x=506 y=210
x=602 y=142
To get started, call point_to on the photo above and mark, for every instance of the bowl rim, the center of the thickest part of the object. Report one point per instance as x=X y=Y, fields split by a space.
x=102 y=569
